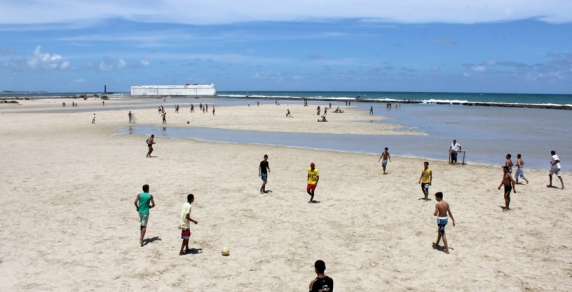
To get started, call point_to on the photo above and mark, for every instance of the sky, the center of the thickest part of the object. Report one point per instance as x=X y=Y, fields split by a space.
x=505 y=46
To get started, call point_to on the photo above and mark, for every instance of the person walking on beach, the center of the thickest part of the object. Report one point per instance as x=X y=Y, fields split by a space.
x=143 y=202
x=130 y=117
x=150 y=143
x=453 y=149
x=263 y=171
x=287 y=113
x=185 y=225
x=554 y=169
x=192 y=108
x=93 y=119
x=214 y=109
x=371 y=110
x=384 y=157
x=441 y=211
x=508 y=163
x=313 y=178
x=508 y=183
x=322 y=283
x=520 y=169
x=164 y=116
x=425 y=180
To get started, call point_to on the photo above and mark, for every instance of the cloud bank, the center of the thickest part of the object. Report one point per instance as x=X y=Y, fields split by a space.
x=225 y=11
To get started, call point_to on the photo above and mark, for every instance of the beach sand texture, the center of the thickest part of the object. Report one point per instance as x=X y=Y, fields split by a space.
x=68 y=220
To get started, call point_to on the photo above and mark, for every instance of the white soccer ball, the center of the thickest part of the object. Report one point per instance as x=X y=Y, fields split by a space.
x=225 y=251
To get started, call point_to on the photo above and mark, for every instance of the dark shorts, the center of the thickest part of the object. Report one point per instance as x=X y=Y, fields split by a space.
x=507 y=190
x=185 y=233
x=264 y=176
x=441 y=223
x=453 y=156
x=311 y=187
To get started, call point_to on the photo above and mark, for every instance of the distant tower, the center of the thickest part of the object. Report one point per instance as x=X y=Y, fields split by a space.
x=104 y=88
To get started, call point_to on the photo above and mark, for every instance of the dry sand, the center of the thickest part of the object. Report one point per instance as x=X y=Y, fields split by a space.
x=68 y=220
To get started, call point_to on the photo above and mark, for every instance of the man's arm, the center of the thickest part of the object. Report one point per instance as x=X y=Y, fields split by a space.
x=191 y=219
x=136 y=200
x=317 y=179
x=450 y=214
x=389 y=156
x=259 y=170
x=430 y=177
x=380 y=157
x=502 y=181
x=420 y=177
x=436 y=210
x=512 y=181
x=152 y=203
x=268 y=167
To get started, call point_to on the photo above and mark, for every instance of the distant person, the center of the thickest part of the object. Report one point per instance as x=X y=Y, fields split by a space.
x=130 y=115
x=453 y=149
x=103 y=103
x=325 y=111
x=288 y=113
x=263 y=170
x=520 y=169
x=164 y=116
x=508 y=163
x=206 y=107
x=554 y=169
x=330 y=104
x=184 y=224
x=318 y=110
x=143 y=202
x=425 y=180
x=150 y=143
x=192 y=108
x=322 y=283
x=313 y=178
x=384 y=157
x=371 y=110
x=176 y=108
x=441 y=211
x=214 y=109
x=322 y=119
x=258 y=103
x=93 y=119
x=508 y=183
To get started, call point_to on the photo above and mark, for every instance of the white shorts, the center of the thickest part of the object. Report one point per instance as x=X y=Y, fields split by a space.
x=519 y=173
x=384 y=163
x=554 y=171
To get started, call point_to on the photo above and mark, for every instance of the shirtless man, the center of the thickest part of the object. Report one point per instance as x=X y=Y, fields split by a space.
x=427 y=178
x=508 y=163
x=520 y=169
x=508 y=183
x=385 y=156
x=150 y=143
x=441 y=211
x=164 y=115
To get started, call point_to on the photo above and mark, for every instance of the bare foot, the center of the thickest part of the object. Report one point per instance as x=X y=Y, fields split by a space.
x=181 y=253
x=548 y=186
x=447 y=251
x=435 y=245
x=141 y=242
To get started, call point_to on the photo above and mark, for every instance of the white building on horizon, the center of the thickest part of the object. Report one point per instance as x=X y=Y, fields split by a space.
x=180 y=90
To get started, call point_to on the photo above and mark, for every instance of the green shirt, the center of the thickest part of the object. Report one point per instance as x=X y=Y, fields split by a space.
x=144 y=199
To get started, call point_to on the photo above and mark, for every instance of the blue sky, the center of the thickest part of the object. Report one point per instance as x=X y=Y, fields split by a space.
x=514 y=46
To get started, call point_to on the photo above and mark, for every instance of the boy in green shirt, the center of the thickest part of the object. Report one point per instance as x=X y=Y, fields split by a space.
x=142 y=205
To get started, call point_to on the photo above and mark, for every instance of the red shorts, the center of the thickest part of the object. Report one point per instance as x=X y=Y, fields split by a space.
x=185 y=233
x=311 y=187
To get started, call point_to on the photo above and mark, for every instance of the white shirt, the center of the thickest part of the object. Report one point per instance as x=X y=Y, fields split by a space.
x=455 y=147
x=554 y=158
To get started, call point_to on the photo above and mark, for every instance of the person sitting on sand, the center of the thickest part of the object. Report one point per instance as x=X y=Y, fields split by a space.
x=323 y=119
x=338 y=110
x=441 y=211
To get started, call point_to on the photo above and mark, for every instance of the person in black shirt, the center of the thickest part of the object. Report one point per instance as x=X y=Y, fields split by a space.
x=263 y=170
x=322 y=283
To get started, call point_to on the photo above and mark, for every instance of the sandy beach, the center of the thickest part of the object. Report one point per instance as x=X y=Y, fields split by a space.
x=68 y=220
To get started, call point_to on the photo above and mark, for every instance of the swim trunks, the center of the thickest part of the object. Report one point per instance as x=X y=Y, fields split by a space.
x=149 y=145
x=185 y=233
x=311 y=187
x=507 y=190
x=264 y=176
x=519 y=173
x=441 y=223
x=143 y=218
x=453 y=156
x=554 y=171
x=384 y=163
x=425 y=186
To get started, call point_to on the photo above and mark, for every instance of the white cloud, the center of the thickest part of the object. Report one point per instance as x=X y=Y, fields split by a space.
x=144 y=62
x=81 y=80
x=224 y=11
x=41 y=60
x=479 y=68
x=65 y=65
x=105 y=66
x=121 y=64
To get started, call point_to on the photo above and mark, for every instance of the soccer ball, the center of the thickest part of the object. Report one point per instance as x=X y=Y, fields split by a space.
x=225 y=251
